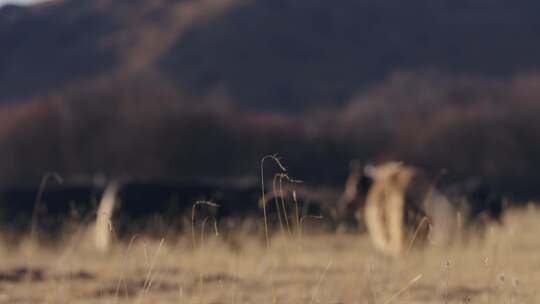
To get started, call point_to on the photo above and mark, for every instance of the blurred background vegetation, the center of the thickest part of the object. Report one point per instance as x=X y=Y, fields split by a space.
x=204 y=88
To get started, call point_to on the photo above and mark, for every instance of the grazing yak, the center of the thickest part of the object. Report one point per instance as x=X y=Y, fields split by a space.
x=394 y=212
x=333 y=208
x=476 y=202
x=405 y=208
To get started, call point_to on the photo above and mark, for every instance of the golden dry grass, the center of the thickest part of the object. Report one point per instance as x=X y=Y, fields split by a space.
x=504 y=268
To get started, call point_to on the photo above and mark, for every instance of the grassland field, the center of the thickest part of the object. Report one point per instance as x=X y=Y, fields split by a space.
x=504 y=267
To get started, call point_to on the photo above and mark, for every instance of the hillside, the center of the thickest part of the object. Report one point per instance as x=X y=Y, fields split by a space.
x=265 y=54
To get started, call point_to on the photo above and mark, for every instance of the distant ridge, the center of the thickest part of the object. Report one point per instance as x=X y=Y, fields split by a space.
x=265 y=54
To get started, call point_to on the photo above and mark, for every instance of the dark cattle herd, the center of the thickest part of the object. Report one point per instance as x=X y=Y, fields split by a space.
x=393 y=202
x=50 y=210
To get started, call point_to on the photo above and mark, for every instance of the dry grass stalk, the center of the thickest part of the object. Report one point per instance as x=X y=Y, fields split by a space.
x=123 y=265
x=426 y=220
x=404 y=289
x=307 y=216
x=296 y=213
x=318 y=286
x=276 y=197
x=193 y=212
x=149 y=279
x=35 y=211
x=447 y=267
x=37 y=203
x=283 y=169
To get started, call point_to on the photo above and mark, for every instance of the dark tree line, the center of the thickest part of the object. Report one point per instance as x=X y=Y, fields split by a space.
x=468 y=126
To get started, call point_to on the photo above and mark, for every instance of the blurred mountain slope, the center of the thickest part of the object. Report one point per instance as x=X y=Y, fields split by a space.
x=266 y=54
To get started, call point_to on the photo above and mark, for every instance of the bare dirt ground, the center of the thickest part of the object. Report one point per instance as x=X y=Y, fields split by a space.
x=503 y=268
